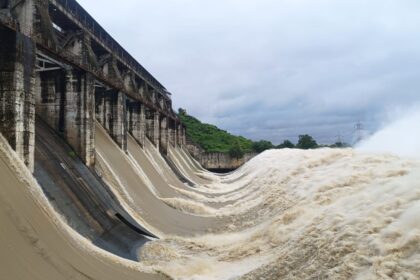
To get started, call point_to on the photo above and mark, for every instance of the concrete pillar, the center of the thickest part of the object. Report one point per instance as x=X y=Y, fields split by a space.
x=156 y=129
x=171 y=130
x=183 y=136
x=149 y=123
x=65 y=101
x=100 y=106
x=117 y=118
x=164 y=135
x=174 y=135
x=50 y=98
x=153 y=126
x=137 y=121
x=34 y=20
x=180 y=135
x=112 y=114
x=17 y=84
x=79 y=114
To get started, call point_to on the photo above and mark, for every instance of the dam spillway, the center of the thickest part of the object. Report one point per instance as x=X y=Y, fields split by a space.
x=96 y=182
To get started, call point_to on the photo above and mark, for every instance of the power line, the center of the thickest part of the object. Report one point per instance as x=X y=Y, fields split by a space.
x=358 y=131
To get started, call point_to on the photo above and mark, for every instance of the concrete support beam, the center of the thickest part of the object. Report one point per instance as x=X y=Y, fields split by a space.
x=111 y=113
x=50 y=98
x=171 y=138
x=136 y=115
x=149 y=123
x=164 y=135
x=153 y=126
x=156 y=129
x=182 y=140
x=172 y=132
x=177 y=134
x=34 y=20
x=79 y=112
x=17 y=102
x=184 y=136
x=65 y=101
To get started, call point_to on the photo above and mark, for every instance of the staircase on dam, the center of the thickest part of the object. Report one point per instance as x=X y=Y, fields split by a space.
x=58 y=65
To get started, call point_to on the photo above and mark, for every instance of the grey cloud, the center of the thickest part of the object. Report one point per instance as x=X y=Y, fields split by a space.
x=276 y=68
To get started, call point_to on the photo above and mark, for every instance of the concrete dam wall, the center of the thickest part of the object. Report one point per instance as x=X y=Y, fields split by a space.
x=97 y=181
x=217 y=161
x=58 y=63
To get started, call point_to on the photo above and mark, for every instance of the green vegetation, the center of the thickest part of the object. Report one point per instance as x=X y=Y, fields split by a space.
x=213 y=139
x=286 y=144
x=236 y=151
x=262 y=145
x=306 y=142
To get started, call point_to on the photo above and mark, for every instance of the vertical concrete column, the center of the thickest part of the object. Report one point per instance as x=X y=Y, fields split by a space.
x=180 y=135
x=149 y=123
x=171 y=130
x=100 y=107
x=142 y=125
x=79 y=126
x=17 y=101
x=183 y=136
x=116 y=118
x=50 y=98
x=174 y=134
x=164 y=135
x=111 y=112
x=156 y=129
x=137 y=121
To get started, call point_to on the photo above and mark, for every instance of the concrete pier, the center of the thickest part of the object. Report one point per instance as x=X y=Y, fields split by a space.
x=164 y=135
x=56 y=62
x=156 y=129
x=137 y=121
x=172 y=133
x=65 y=101
x=111 y=110
x=17 y=84
x=79 y=114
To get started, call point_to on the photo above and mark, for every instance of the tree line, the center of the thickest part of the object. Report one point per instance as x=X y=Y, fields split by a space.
x=213 y=139
x=305 y=142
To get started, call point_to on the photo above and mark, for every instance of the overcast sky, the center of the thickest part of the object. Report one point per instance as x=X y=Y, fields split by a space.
x=274 y=69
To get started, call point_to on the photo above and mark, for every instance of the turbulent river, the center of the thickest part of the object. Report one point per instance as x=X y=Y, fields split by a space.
x=286 y=214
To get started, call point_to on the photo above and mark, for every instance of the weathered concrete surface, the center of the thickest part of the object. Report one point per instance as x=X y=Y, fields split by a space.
x=223 y=161
x=67 y=71
x=153 y=127
x=111 y=113
x=156 y=129
x=17 y=103
x=81 y=197
x=217 y=161
x=172 y=133
x=79 y=127
x=164 y=135
x=136 y=121
x=181 y=135
x=65 y=100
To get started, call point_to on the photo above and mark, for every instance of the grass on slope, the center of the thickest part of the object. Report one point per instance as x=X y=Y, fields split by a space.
x=210 y=137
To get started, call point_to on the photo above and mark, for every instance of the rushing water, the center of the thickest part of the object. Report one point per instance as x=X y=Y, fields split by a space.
x=286 y=214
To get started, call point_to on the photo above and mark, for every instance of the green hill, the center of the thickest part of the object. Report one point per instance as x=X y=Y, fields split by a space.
x=211 y=138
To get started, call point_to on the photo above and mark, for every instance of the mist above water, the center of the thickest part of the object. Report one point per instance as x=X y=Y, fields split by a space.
x=400 y=137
